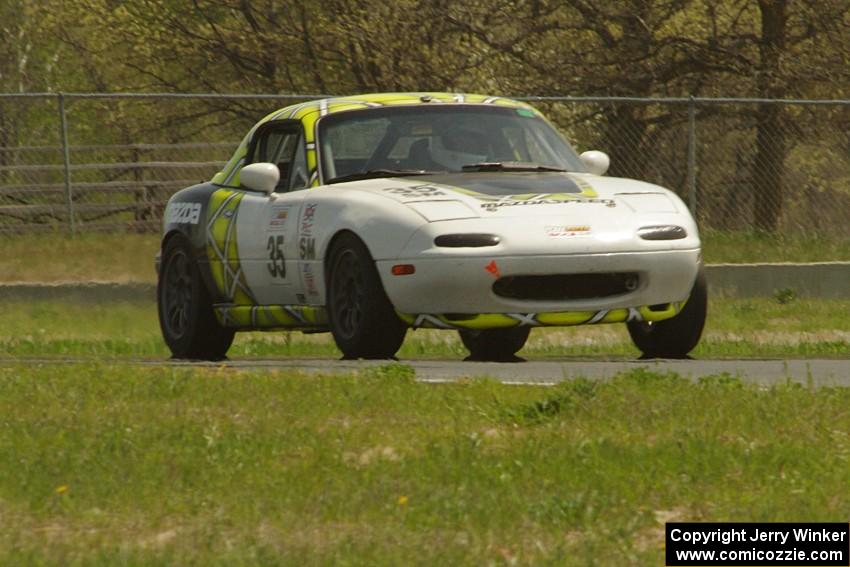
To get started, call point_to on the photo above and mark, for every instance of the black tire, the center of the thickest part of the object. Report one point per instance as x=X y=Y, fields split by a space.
x=676 y=337
x=363 y=322
x=495 y=345
x=186 y=318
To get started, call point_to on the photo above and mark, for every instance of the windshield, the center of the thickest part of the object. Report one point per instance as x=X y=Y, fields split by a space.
x=438 y=138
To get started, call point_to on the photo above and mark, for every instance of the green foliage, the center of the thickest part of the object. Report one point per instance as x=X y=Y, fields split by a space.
x=392 y=373
x=724 y=380
x=633 y=48
x=784 y=295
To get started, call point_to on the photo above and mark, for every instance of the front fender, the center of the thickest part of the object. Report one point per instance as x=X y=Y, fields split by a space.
x=383 y=224
x=187 y=214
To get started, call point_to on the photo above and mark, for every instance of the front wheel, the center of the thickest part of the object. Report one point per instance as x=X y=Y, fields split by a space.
x=186 y=318
x=675 y=337
x=362 y=319
x=495 y=345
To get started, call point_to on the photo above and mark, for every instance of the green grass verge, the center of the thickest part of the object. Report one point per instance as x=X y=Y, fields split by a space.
x=735 y=328
x=748 y=247
x=106 y=465
x=129 y=257
x=59 y=256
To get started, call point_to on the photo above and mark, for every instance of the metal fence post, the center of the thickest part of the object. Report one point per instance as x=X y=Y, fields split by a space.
x=692 y=156
x=66 y=156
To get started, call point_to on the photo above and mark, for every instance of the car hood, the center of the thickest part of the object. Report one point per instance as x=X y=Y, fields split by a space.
x=525 y=194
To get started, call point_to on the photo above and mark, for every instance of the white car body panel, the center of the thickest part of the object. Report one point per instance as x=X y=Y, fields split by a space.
x=535 y=239
x=262 y=218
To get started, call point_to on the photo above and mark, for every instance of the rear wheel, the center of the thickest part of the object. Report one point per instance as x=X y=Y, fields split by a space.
x=186 y=318
x=675 y=337
x=362 y=319
x=496 y=345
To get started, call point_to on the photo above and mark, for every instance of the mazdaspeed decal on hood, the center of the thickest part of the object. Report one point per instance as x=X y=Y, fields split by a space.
x=494 y=191
x=491 y=204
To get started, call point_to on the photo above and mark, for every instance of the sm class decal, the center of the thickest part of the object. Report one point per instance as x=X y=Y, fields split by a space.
x=307 y=249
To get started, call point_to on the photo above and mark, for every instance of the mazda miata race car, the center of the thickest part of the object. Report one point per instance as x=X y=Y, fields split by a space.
x=368 y=215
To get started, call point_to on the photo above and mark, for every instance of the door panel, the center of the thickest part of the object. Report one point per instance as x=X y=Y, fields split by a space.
x=268 y=229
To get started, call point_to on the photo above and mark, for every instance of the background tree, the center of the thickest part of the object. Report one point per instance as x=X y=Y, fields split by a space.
x=631 y=48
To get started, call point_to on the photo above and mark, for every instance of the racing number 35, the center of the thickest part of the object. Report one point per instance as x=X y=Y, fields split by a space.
x=277 y=263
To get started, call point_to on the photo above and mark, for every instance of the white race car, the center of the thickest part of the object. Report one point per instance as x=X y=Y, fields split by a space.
x=367 y=215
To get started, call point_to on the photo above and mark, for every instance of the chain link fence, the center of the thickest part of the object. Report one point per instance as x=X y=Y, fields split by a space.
x=774 y=165
x=87 y=162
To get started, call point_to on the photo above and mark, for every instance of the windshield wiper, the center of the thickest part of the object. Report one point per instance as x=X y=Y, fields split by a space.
x=375 y=173
x=509 y=166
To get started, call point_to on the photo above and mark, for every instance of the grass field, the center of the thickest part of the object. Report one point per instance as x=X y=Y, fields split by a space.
x=109 y=463
x=735 y=328
x=129 y=257
x=106 y=465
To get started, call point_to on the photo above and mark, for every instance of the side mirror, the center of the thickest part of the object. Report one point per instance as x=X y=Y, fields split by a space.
x=261 y=177
x=596 y=162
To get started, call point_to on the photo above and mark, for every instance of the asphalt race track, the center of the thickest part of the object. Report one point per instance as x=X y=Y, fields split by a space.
x=821 y=372
x=818 y=372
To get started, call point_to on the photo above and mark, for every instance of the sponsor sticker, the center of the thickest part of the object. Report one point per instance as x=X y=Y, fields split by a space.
x=309 y=280
x=308 y=219
x=277 y=220
x=418 y=191
x=566 y=230
x=306 y=242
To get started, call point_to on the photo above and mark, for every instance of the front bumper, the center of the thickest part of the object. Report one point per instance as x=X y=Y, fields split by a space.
x=464 y=285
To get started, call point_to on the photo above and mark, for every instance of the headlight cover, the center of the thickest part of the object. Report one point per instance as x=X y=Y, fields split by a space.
x=466 y=240
x=662 y=232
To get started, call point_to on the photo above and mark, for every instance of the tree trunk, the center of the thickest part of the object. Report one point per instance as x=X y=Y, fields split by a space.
x=769 y=161
x=768 y=169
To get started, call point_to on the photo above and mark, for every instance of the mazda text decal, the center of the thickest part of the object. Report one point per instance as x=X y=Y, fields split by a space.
x=183 y=213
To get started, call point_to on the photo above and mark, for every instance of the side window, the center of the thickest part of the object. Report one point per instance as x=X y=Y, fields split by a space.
x=284 y=147
x=299 y=176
